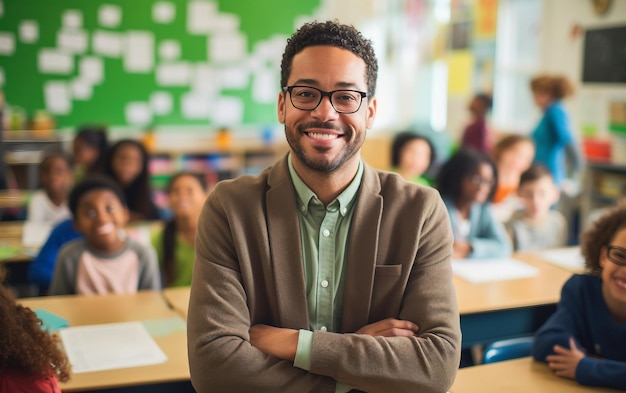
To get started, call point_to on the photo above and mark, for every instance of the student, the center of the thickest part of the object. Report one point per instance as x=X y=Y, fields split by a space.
x=49 y=204
x=40 y=270
x=513 y=154
x=585 y=339
x=175 y=243
x=322 y=274
x=105 y=260
x=467 y=184
x=476 y=135
x=30 y=358
x=128 y=165
x=90 y=151
x=411 y=157
x=537 y=226
x=553 y=134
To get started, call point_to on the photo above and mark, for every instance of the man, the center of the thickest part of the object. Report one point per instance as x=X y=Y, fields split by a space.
x=322 y=274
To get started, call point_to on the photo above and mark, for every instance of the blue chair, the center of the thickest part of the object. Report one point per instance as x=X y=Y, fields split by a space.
x=512 y=348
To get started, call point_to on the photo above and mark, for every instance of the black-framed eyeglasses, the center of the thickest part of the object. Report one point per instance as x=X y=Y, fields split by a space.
x=616 y=254
x=479 y=181
x=308 y=98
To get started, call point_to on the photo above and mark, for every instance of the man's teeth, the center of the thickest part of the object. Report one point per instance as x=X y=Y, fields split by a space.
x=323 y=136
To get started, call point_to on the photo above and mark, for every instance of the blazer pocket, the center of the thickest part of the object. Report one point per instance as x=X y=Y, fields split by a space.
x=387 y=292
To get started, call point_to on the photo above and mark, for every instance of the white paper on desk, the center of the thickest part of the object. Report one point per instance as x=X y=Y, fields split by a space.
x=110 y=346
x=493 y=269
x=35 y=233
x=569 y=258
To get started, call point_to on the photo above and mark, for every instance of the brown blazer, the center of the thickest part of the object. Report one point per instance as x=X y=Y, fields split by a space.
x=248 y=270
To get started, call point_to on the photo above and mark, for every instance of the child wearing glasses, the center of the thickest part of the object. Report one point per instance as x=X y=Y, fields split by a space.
x=585 y=339
x=467 y=182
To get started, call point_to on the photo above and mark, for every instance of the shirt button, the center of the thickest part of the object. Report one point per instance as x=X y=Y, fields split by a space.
x=344 y=210
x=326 y=232
x=324 y=283
x=302 y=208
x=323 y=328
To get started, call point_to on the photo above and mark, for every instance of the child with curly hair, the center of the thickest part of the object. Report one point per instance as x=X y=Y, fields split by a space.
x=30 y=359
x=585 y=339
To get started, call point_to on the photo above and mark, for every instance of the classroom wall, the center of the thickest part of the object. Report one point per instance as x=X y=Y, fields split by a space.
x=562 y=52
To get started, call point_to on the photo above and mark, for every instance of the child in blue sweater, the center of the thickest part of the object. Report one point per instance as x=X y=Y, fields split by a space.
x=585 y=339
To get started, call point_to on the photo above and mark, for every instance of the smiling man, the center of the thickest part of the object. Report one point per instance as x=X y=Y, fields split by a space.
x=323 y=274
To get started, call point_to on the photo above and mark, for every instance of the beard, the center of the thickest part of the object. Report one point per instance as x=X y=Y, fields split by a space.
x=323 y=164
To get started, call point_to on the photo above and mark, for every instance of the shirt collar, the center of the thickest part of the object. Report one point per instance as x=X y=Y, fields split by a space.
x=305 y=194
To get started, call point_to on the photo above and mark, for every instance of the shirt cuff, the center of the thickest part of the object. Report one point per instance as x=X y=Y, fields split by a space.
x=304 y=349
x=341 y=388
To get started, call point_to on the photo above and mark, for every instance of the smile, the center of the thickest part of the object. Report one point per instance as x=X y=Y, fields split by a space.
x=105 y=229
x=324 y=136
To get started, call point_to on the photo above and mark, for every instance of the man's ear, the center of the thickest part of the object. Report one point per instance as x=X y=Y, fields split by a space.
x=281 y=107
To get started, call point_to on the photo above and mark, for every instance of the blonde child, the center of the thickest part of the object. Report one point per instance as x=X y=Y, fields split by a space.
x=105 y=260
x=49 y=204
x=585 y=339
x=537 y=226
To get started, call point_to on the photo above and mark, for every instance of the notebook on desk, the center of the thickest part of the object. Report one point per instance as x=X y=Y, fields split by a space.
x=492 y=269
x=568 y=258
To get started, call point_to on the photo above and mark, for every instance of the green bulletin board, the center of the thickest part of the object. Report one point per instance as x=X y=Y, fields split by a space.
x=196 y=62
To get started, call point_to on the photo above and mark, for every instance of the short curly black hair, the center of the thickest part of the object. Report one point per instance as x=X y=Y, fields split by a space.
x=462 y=165
x=331 y=33
x=600 y=235
x=95 y=182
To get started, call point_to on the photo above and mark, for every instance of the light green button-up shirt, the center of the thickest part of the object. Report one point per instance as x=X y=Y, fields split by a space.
x=323 y=235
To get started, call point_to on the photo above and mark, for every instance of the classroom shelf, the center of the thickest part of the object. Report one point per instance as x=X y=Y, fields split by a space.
x=604 y=185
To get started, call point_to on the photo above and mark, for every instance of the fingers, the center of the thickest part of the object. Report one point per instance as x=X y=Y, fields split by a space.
x=390 y=327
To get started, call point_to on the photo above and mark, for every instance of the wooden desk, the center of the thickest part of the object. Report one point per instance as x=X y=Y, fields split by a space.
x=520 y=375
x=13 y=198
x=178 y=299
x=502 y=309
x=146 y=305
x=11 y=237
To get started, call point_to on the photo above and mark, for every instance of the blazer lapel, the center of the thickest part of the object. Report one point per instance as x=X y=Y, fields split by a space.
x=362 y=252
x=284 y=241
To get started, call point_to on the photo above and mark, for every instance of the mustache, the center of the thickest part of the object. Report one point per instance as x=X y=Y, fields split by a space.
x=304 y=127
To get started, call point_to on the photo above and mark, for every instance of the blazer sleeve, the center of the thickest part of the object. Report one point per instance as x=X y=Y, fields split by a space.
x=221 y=358
x=426 y=362
x=488 y=237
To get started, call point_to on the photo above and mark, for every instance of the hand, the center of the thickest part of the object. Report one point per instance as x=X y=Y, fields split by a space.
x=565 y=361
x=390 y=327
x=279 y=342
x=461 y=249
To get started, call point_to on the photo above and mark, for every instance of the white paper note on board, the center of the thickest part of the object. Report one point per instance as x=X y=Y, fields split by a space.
x=228 y=111
x=51 y=61
x=195 y=106
x=107 y=43
x=81 y=89
x=264 y=86
x=200 y=15
x=72 y=19
x=173 y=74
x=1 y=76
x=74 y=41
x=235 y=77
x=227 y=47
x=138 y=113
x=139 y=51
x=169 y=50
x=29 y=31
x=163 y=12
x=7 y=43
x=109 y=15
x=161 y=103
x=91 y=68
x=205 y=79
x=57 y=97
